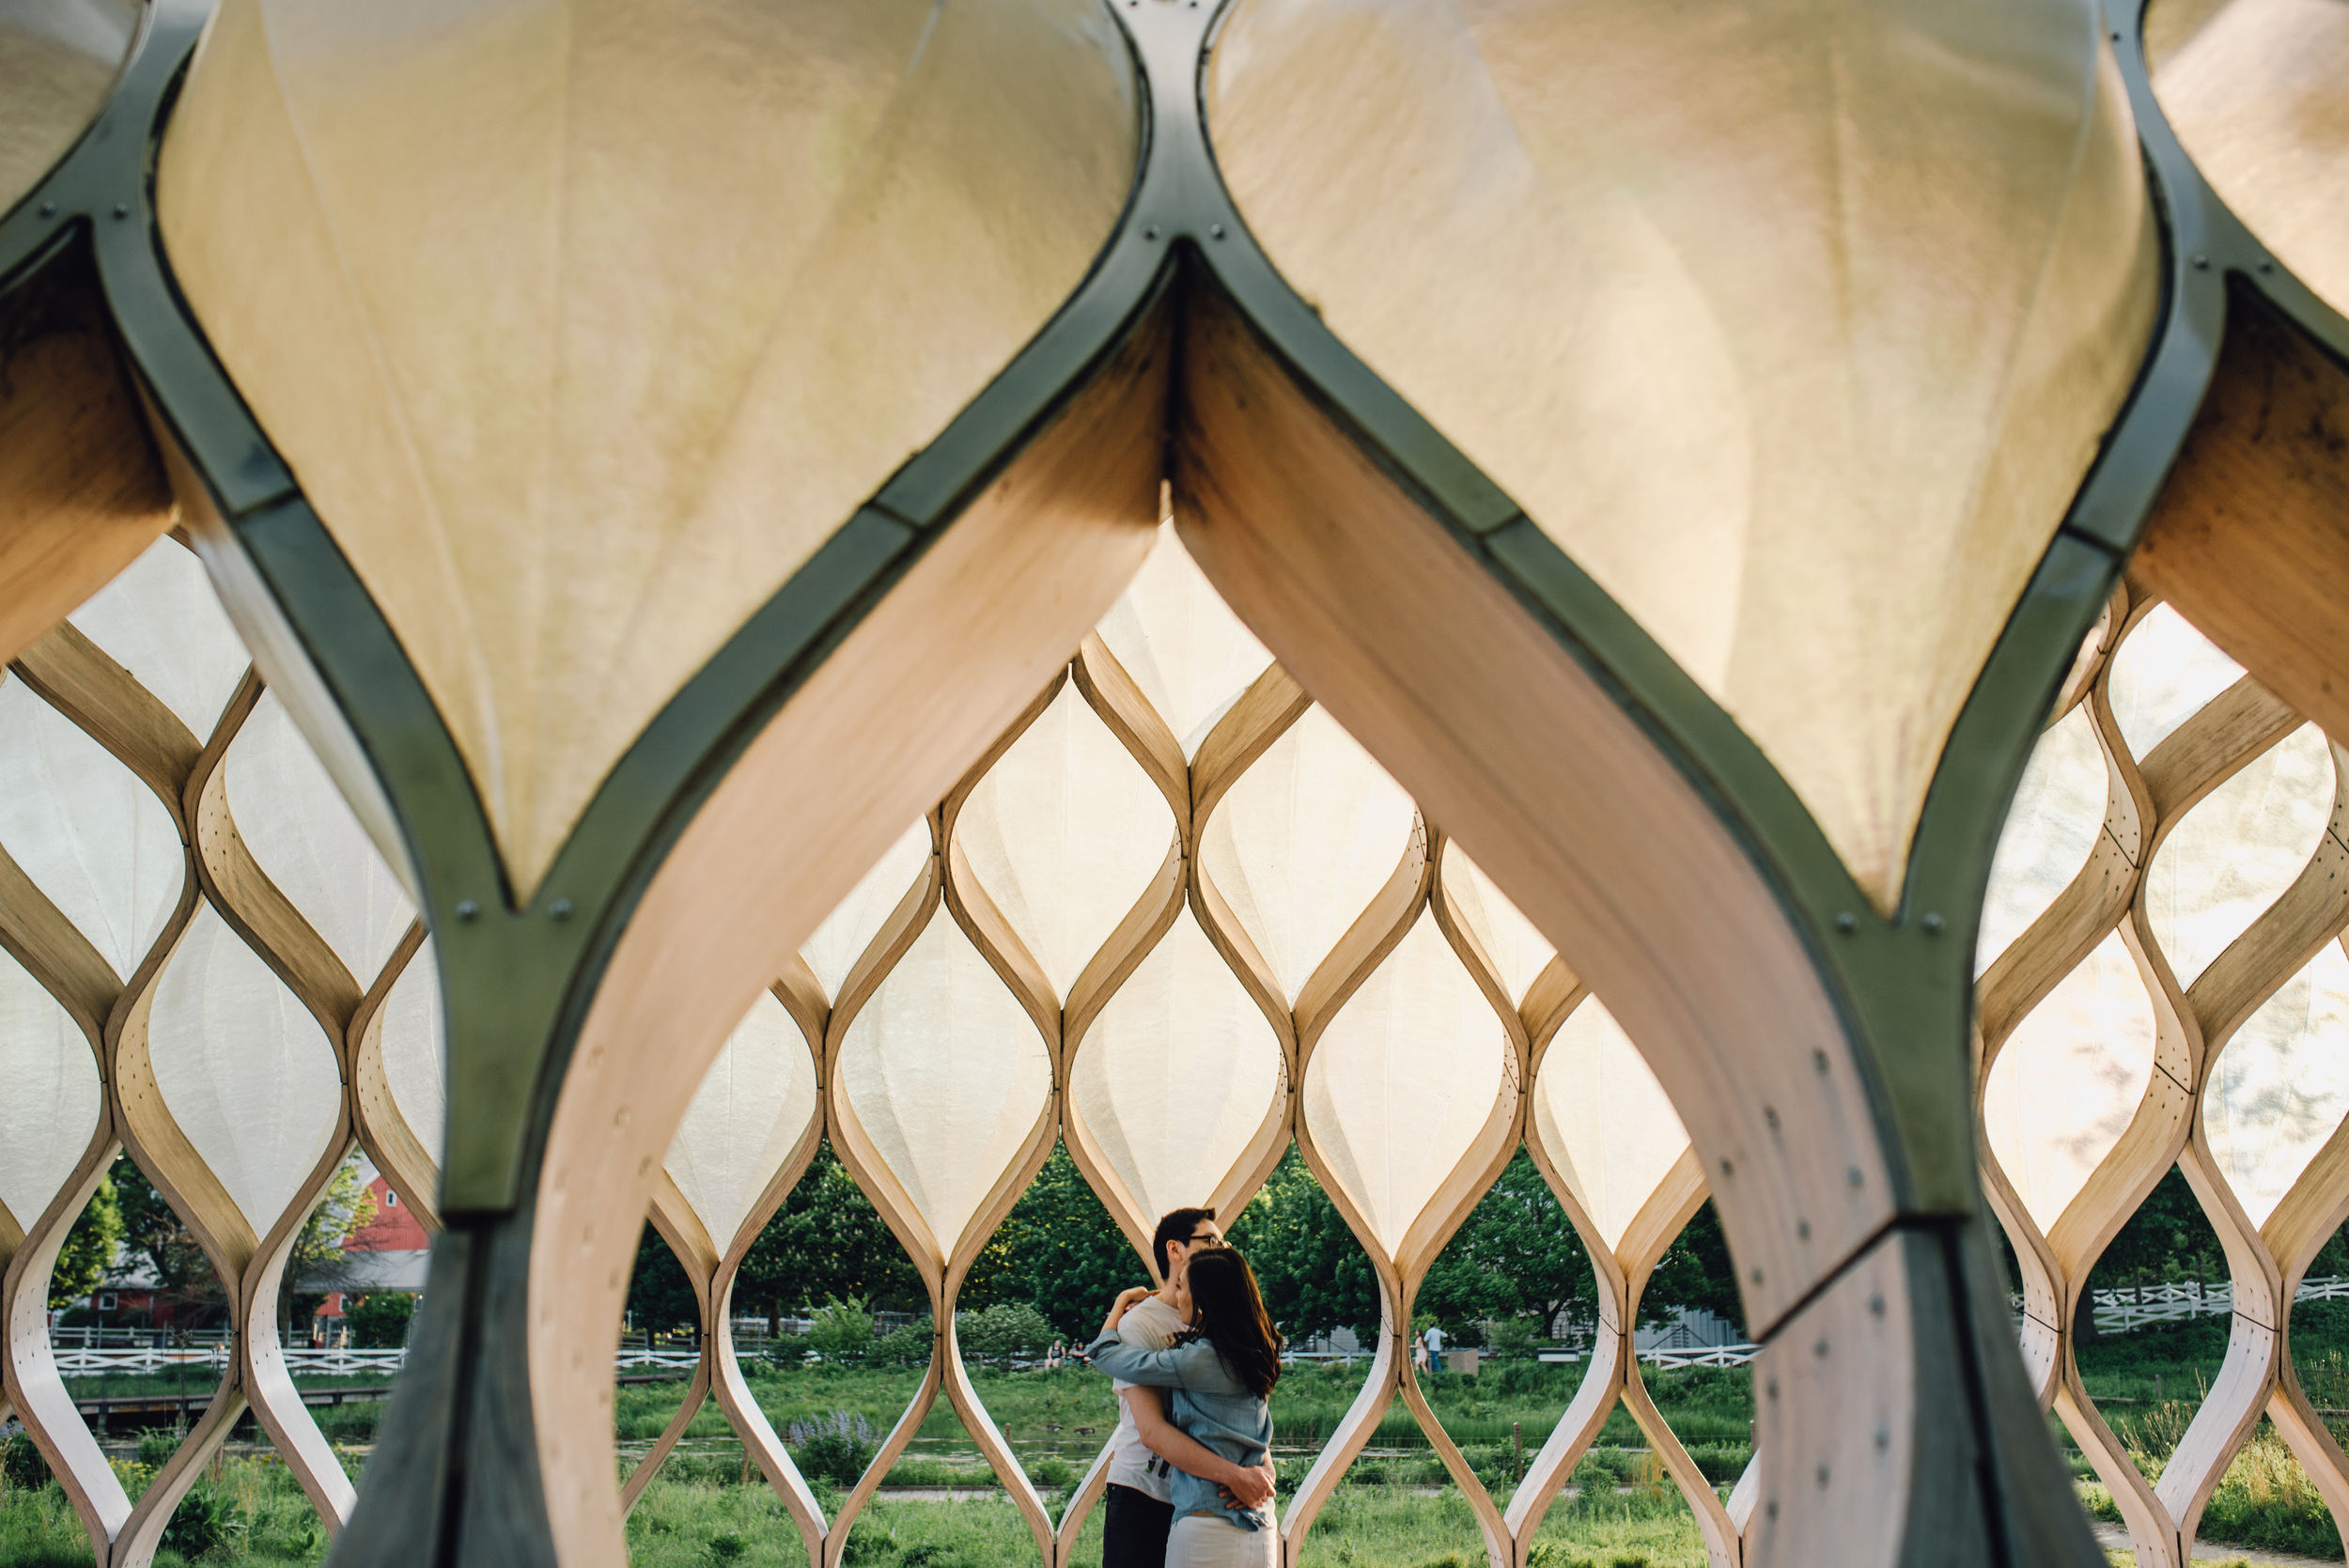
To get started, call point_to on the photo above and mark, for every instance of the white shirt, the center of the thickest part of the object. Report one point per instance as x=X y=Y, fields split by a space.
x=1149 y=1324
x=1435 y=1341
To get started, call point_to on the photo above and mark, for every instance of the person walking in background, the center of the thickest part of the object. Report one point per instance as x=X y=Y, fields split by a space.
x=1147 y=1447
x=1223 y=1372
x=1432 y=1341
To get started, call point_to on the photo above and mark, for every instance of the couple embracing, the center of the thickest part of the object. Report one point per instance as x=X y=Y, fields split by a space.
x=1194 y=1363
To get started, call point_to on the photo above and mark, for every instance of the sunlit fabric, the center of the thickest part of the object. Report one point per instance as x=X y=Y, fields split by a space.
x=583 y=339
x=52 y=1100
x=1516 y=951
x=1604 y=1118
x=160 y=621
x=2162 y=676
x=58 y=59
x=415 y=1051
x=1181 y=642
x=2280 y=1087
x=1795 y=330
x=755 y=1102
x=841 y=940
x=2057 y=813
x=2235 y=854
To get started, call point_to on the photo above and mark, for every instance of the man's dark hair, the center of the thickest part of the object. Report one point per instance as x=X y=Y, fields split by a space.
x=1177 y=1226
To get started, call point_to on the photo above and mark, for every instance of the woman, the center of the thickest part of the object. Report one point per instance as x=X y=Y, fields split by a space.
x=1221 y=1372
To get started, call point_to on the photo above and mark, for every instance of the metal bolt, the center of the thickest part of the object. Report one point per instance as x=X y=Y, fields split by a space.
x=1150 y=233
x=1802 y=1229
x=468 y=911
x=1770 y=1387
x=1757 y=1276
x=1854 y=1176
x=2116 y=37
x=49 y=209
x=2267 y=265
x=1847 y=922
x=1884 y=1439
x=122 y=210
x=1215 y=231
x=1771 y=1508
x=2202 y=263
x=1876 y=1305
x=1933 y=923
x=1819 y=1349
x=1823 y=1475
x=1727 y=1169
x=562 y=909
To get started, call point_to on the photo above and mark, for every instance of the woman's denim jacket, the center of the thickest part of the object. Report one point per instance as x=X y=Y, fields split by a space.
x=1210 y=1406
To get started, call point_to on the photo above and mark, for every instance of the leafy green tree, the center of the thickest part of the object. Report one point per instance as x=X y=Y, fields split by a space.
x=89 y=1250
x=347 y=1205
x=2168 y=1239
x=826 y=1242
x=1003 y=1331
x=379 y=1319
x=151 y=1230
x=843 y=1331
x=660 y=1297
x=1314 y=1274
x=1517 y=1254
x=1058 y=1251
x=1696 y=1273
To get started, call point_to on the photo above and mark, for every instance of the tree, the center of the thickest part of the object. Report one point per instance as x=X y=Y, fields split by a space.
x=1059 y=1251
x=89 y=1250
x=345 y=1205
x=154 y=1233
x=1517 y=1254
x=379 y=1319
x=660 y=1297
x=1003 y=1331
x=843 y=1331
x=1695 y=1273
x=1314 y=1274
x=2168 y=1239
x=826 y=1242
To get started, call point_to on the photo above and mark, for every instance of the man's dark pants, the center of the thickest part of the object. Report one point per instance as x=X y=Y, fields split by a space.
x=1133 y=1529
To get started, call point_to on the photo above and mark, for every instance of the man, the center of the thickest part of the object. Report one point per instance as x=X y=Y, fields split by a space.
x=1146 y=1445
x=1433 y=1340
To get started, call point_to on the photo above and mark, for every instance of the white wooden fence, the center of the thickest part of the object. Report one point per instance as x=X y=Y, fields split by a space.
x=2118 y=1311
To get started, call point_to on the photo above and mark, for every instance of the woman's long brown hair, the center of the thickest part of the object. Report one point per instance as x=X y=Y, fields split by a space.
x=1231 y=1317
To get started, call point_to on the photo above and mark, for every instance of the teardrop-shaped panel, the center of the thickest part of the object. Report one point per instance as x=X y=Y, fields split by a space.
x=2281 y=1085
x=2252 y=88
x=2163 y=674
x=1508 y=938
x=243 y=1069
x=1302 y=841
x=849 y=929
x=415 y=1050
x=58 y=62
x=584 y=335
x=51 y=1105
x=1065 y=834
x=89 y=834
x=946 y=1073
x=2238 y=850
x=294 y=820
x=2057 y=813
x=1604 y=1120
x=1796 y=327
x=752 y=1108
x=1180 y=642
x=2070 y=1080
x=1402 y=1079
x=1176 y=1074
x=161 y=620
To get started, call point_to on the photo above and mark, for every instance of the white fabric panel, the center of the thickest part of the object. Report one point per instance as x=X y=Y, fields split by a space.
x=1065 y=834
x=1402 y=1079
x=161 y=620
x=415 y=1050
x=1181 y=642
x=2236 y=852
x=84 y=828
x=57 y=61
x=295 y=822
x=1304 y=841
x=849 y=929
x=1604 y=1118
x=2057 y=813
x=48 y=1094
x=946 y=1075
x=1508 y=938
x=752 y=1107
x=244 y=1068
x=1176 y=1073
x=2162 y=676
x=2281 y=1085
x=2072 y=1075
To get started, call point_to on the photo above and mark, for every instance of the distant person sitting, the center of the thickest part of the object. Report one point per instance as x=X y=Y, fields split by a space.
x=1147 y=1447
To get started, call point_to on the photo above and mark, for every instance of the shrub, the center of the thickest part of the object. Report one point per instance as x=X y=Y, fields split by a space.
x=1514 y=1337
x=1003 y=1331
x=788 y=1352
x=1052 y=1472
x=21 y=1464
x=843 y=1331
x=205 y=1521
x=156 y=1449
x=727 y=1545
x=380 y=1321
x=908 y=1346
x=836 y=1448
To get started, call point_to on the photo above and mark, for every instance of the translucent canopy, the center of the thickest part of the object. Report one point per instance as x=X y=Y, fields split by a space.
x=581 y=338
x=415 y=1051
x=2252 y=88
x=1598 y=1111
x=1181 y=642
x=160 y=621
x=52 y=1100
x=752 y=1109
x=2057 y=813
x=1794 y=330
x=2235 y=854
x=2280 y=1087
x=58 y=60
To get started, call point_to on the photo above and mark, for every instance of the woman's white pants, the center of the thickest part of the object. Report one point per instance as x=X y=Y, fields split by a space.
x=1199 y=1541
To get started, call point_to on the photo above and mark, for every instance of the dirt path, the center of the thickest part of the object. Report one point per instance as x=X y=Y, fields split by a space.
x=2115 y=1542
